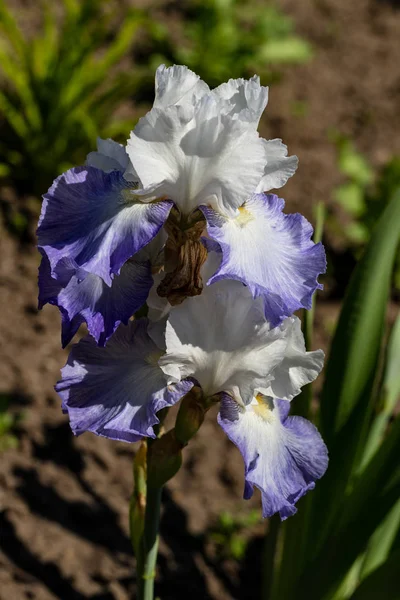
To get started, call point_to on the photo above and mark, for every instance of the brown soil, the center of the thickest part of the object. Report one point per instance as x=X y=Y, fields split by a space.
x=64 y=500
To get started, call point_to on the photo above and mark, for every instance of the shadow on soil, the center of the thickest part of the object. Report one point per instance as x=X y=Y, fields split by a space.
x=181 y=569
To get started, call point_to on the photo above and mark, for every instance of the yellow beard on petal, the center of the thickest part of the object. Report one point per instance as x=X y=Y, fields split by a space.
x=263 y=408
x=244 y=217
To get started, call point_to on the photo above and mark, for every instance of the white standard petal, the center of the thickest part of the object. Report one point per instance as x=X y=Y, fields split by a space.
x=111 y=156
x=298 y=367
x=177 y=85
x=245 y=98
x=280 y=167
x=196 y=155
x=223 y=341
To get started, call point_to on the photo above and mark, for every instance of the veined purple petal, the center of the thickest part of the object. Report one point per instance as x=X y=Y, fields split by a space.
x=81 y=297
x=93 y=218
x=117 y=391
x=270 y=252
x=283 y=455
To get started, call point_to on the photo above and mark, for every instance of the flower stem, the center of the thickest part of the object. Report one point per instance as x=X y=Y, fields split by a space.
x=150 y=544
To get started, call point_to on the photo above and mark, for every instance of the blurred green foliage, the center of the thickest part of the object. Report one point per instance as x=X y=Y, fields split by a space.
x=60 y=86
x=8 y=423
x=363 y=198
x=345 y=540
x=223 y=39
x=231 y=535
x=59 y=90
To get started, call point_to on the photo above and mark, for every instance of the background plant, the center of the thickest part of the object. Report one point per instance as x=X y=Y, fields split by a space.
x=223 y=39
x=61 y=88
x=344 y=542
x=362 y=198
x=9 y=421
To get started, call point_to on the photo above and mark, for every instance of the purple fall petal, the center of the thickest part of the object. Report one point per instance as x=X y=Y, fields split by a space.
x=270 y=252
x=83 y=297
x=93 y=218
x=283 y=455
x=116 y=391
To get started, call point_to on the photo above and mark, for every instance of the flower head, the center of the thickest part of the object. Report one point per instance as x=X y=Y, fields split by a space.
x=183 y=205
x=200 y=147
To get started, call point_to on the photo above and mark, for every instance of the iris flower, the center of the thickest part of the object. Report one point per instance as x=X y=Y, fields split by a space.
x=222 y=342
x=194 y=166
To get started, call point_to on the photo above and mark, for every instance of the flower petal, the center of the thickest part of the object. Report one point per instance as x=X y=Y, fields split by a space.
x=283 y=455
x=116 y=391
x=244 y=95
x=91 y=217
x=82 y=296
x=110 y=156
x=222 y=340
x=270 y=252
x=280 y=167
x=177 y=85
x=298 y=368
x=197 y=155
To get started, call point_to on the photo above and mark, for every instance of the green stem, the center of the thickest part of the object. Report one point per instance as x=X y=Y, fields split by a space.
x=150 y=544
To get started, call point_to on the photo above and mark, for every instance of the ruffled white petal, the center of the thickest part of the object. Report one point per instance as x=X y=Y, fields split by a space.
x=279 y=168
x=222 y=340
x=298 y=367
x=197 y=155
x=178 y=85
x=244 y=98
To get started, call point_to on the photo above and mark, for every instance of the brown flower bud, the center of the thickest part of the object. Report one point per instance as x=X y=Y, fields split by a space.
x=184 y=256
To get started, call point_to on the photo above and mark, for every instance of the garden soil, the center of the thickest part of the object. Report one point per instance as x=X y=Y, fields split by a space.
x=64 y=500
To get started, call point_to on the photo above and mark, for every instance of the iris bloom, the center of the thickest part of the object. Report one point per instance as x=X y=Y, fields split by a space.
x=222 y=342
x=193 y=166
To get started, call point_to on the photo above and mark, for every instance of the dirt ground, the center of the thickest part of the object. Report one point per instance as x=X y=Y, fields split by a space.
x=64 y=500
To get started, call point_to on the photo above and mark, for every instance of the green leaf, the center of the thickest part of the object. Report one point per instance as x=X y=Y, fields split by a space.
x=356 y=345
x=382 y=583
x=350 y=196
x=391 y=381
x=347 y=397
x=357 y=233
x=381 y=542
x=361 y=513
x=12 y=32
x=353 y=164
x=286 y=50
x=390 y=394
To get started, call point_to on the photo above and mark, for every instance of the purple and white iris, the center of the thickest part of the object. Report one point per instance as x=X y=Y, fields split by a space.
x=111 y=230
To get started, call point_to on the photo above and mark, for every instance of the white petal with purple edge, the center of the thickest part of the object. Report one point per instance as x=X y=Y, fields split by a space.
x=93 y=218
x=283 y=456
x=82 y=296
x=116 y=391
x=222 y=340
x=270 y=252
x=196 y=154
